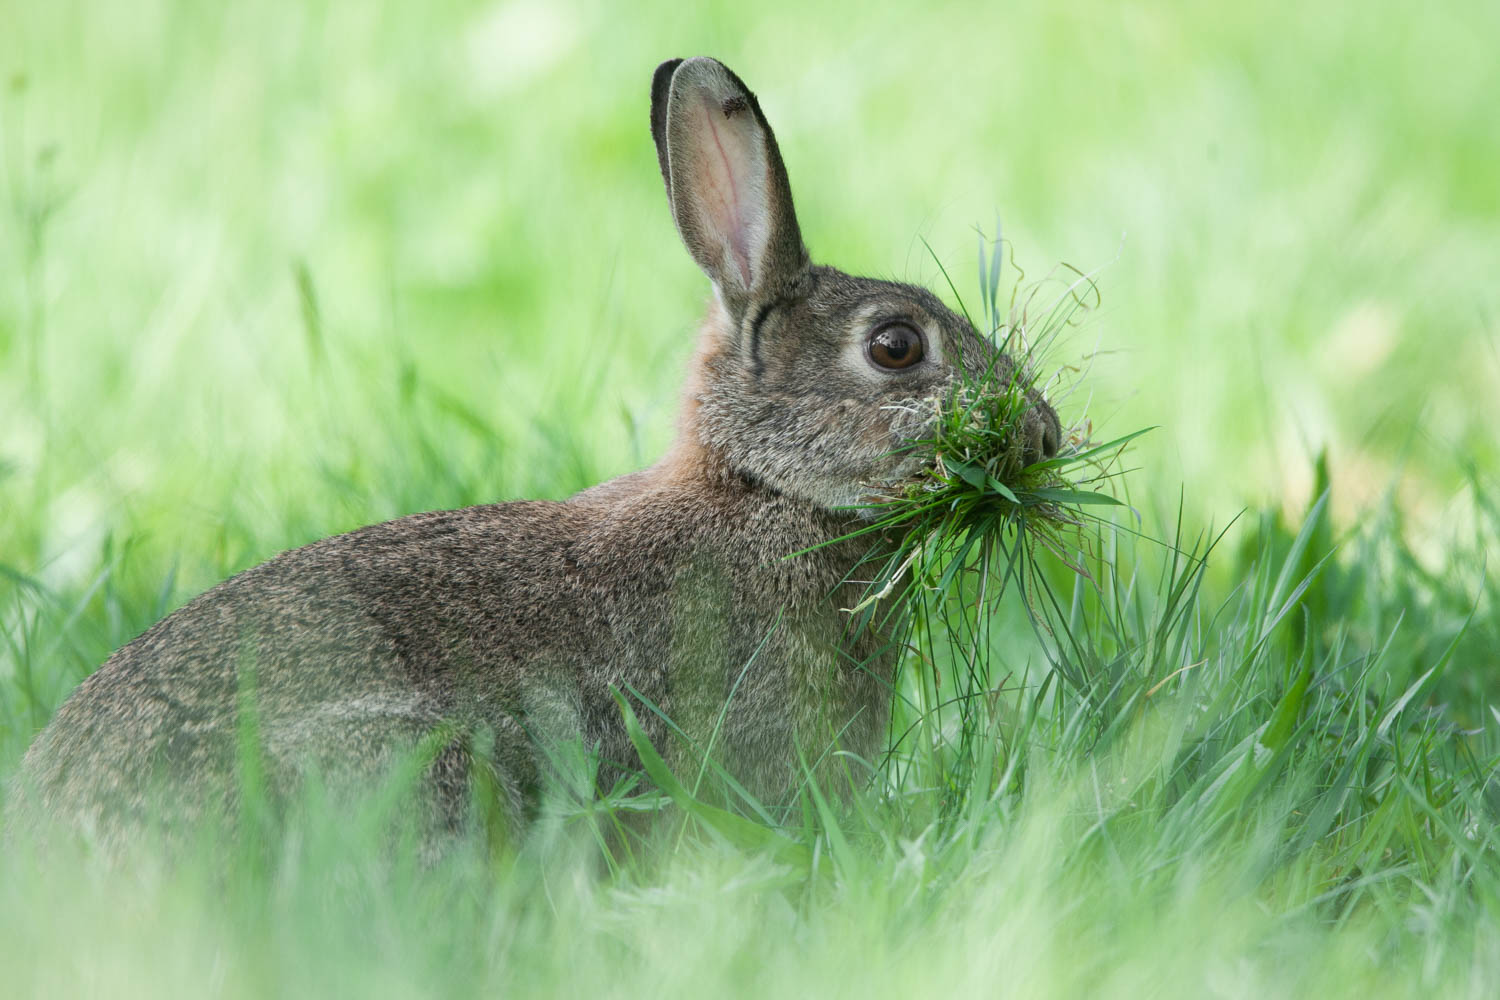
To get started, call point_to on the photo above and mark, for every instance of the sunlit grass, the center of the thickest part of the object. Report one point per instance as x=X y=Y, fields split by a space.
x=1188 y=788
x=272 y=272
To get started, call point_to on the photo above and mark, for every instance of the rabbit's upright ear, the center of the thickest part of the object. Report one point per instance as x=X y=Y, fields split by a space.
x=726 y=182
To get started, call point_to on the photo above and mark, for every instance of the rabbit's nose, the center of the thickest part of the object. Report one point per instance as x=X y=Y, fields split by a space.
x=1051 y=432
x=1044 y=431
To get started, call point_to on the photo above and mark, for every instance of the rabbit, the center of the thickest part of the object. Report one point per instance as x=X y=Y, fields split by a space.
x=508 y=628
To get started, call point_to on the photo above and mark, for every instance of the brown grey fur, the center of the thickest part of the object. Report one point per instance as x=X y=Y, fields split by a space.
x=513 y=623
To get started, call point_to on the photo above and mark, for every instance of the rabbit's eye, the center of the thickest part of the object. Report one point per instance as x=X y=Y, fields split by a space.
x=895 y=346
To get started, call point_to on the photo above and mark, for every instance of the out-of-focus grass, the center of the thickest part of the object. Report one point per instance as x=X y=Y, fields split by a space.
x=271 y=271
x=1244 y=794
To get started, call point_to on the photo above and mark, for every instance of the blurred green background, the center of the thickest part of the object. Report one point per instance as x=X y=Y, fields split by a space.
x=271 y=271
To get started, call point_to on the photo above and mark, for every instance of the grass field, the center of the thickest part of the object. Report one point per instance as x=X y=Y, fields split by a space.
x=272 y=271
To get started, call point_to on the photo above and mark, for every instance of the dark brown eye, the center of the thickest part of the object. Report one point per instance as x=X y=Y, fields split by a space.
x=895 y=346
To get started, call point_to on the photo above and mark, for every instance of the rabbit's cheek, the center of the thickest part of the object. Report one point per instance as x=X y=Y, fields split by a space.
x=911 y=420
x=877 y=438
x=891 y=458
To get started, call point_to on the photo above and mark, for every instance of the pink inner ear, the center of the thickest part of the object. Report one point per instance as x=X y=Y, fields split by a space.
x=729 y=182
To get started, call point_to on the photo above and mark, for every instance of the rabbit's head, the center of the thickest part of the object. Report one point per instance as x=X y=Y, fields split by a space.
x=808 y=380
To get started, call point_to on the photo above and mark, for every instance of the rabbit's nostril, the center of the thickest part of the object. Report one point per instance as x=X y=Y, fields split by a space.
x=1047 y=428
x=1051 y=434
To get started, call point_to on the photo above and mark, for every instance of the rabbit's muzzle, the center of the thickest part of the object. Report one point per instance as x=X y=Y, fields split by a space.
x=1038 y=434
x=1041 y=430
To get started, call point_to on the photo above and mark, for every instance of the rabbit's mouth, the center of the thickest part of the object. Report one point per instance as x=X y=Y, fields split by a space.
x=916 y=439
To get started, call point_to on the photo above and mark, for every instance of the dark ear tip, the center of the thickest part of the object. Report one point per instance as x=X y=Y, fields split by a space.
x=663 y=76
x=661 y=89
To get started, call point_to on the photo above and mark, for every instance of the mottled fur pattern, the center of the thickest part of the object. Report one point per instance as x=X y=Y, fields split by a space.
x=513 y=624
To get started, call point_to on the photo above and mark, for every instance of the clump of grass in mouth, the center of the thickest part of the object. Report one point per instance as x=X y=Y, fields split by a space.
x=981 y=487
x=979 y=483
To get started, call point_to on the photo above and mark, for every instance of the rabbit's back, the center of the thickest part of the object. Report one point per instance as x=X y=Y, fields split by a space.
x=342 y=654
x=511 y=624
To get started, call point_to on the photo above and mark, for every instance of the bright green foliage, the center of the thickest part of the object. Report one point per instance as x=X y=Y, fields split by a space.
x=271 y=271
